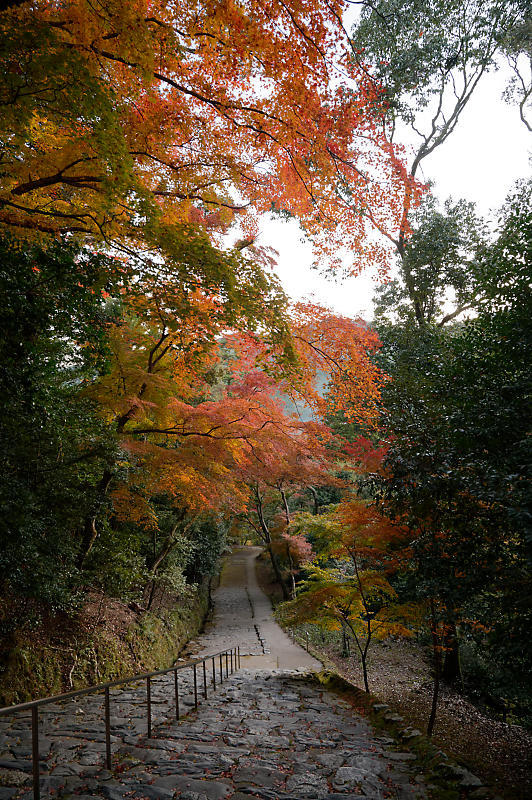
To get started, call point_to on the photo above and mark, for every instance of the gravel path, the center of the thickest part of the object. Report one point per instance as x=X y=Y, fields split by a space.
x=243 y=615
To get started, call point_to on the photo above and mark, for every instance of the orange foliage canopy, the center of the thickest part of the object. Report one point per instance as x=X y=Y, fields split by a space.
x=364 y=533
x=367 y=456
x=333 y=367
x=198 y=417
x=123 y=118
x=355 y=593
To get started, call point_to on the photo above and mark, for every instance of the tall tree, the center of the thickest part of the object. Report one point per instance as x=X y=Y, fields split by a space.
x=458 y=460
x=517 y=48
x=438 y=279
x=430 y=56
x=53 y=445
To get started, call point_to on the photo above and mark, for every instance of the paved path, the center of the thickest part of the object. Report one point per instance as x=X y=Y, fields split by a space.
x=243 y=615
x=266 y=732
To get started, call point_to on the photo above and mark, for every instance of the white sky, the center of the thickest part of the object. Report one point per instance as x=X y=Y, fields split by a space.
x=489 y=150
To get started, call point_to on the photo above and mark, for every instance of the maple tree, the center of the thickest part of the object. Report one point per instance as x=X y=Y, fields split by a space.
x=292 y=457
x=129 y=120
x=348 y=584
x=297 y=551
x=328 y=366
x=157 y=396
x=332 y=355
x=193 y=396
x=201 y=412
x=152 y=128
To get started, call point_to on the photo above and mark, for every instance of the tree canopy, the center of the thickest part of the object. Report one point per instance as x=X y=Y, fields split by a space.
x=131 y=122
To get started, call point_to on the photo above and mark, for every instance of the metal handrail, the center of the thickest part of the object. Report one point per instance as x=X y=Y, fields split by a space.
x=232 y=654
x=296 y=636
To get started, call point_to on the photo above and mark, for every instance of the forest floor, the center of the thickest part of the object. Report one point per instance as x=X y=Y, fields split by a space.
x=400 y=674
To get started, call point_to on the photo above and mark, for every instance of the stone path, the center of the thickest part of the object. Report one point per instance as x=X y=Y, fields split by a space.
x=266 y=732
x=243 y=615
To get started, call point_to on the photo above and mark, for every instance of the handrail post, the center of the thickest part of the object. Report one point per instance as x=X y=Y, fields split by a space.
x=307 y=640
x=35 y=751
x=176 y=692
x=148 y=697
x=107 y=704
x=232 y=653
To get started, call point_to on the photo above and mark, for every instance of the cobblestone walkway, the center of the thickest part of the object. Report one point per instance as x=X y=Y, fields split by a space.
x=265 y=732
x=275 y=735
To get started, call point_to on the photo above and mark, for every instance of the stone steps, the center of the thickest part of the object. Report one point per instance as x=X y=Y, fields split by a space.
x=276 y=735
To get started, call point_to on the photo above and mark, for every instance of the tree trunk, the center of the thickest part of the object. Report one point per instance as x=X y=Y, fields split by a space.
x=435 y=694
x=158 y=557
x=266 y=538
x=288 y=553
x=365 y=671
x=364 y=655
x=151 y=594
x=346 y=650
x=314 y=494
x=436 y=654
x=362 y=650
x=451 y=663
x=277 y=573
x=291 y=567
x=90 y=532
x=286 y=509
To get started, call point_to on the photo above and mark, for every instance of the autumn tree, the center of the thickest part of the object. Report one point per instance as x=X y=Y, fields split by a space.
x=194 y=422
x=130 y=122
x=150 y=130
x=91 y=350
x=199 y=412
x=333 y=357
x=292 y=457
x=158 y=397
x=348 y=585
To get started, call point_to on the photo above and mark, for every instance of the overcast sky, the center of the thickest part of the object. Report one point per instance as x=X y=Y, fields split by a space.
x=480 y=161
